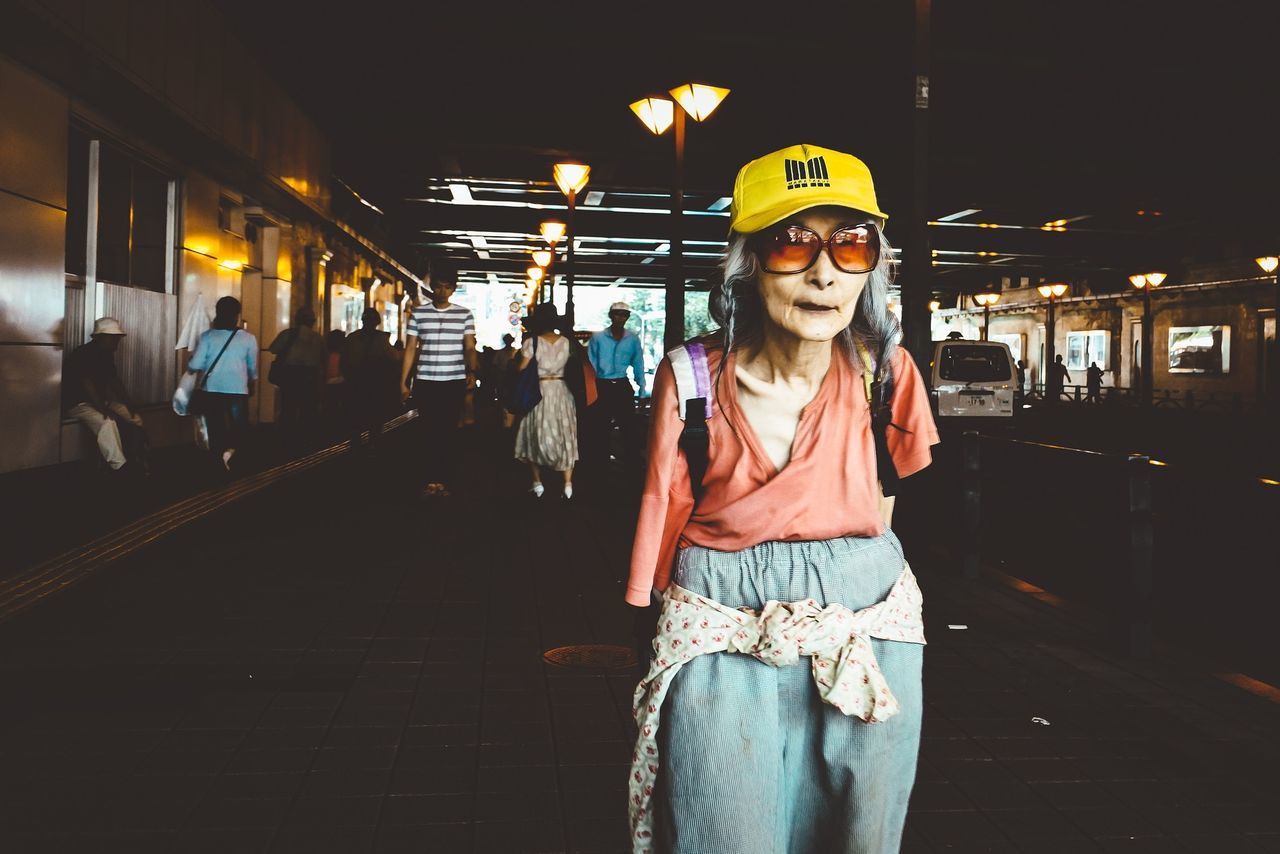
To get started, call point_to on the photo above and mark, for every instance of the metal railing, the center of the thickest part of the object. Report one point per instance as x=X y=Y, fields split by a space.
x=1169 y=399
x=1159 y=549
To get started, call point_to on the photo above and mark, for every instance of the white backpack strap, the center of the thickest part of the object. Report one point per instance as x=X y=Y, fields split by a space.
x=693 y=377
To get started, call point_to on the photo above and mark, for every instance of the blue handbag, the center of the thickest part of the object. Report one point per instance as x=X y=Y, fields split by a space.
x=526 y=393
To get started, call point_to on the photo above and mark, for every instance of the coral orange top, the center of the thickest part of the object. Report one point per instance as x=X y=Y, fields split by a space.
x=828 y=489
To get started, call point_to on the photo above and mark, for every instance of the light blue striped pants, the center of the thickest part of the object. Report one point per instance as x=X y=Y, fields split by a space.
x=753 y=762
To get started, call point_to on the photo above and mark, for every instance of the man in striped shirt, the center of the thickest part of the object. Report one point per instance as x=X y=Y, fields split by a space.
x=441 y=351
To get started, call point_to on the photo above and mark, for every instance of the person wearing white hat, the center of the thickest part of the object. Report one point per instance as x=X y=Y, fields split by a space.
x=93 y=394
x=611 y=352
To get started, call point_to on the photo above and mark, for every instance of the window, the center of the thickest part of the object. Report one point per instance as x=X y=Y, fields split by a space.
x=1200 y=350
x=1013 y=339
x=974 y=363
x=1086 y=347
x=133 y=222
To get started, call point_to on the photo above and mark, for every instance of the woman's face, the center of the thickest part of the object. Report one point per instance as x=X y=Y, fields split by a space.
x=817 y=304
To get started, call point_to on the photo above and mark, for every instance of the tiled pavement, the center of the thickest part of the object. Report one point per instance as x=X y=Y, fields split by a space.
x=335 y=665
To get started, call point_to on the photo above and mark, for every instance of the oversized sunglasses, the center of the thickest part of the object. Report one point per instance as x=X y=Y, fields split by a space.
x=794 y=248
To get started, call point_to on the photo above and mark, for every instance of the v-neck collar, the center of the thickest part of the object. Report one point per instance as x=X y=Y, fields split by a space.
x=810 y=410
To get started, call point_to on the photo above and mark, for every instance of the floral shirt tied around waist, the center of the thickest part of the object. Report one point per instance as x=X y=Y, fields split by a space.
x=836 y=639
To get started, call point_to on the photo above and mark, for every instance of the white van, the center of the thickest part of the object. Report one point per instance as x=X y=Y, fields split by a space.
x=973 y=379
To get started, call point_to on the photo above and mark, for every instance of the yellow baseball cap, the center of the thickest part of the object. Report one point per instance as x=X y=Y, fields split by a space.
x=771 y=188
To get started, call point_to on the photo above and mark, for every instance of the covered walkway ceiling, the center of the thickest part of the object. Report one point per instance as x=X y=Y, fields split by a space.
x=1087 y=112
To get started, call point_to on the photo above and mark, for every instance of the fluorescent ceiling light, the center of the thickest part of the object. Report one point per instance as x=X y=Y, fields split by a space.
x=648 y=260
x=461 y=194
x=593 y=197
x=959 y=214
x=479 y=243
x=663 y=248
x=721 y=203
x=538 y=206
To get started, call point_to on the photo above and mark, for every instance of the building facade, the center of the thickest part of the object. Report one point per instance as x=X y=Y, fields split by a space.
x=1214 y=333
x=148 y=167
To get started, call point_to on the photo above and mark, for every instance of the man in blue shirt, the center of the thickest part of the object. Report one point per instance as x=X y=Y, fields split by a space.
x=611 y=352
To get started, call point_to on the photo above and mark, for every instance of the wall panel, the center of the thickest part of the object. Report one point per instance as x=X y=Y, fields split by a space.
x=33 y=136
x=146 y=358
x=32 y=257
x=31 y=388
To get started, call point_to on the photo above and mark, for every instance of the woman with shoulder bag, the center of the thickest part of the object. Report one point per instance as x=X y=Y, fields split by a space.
x=228 y=356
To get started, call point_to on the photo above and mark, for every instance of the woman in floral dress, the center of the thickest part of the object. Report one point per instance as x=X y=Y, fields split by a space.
x=548 y=433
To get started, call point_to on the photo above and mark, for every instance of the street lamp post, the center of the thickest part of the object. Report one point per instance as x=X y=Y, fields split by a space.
x=1145 y=282
x=570 y=178
x=698 y=101
x=1050 y=292
x=986 y=299
x=1269 y=264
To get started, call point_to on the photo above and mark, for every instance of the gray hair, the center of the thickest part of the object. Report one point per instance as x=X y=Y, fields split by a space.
x=736 y=306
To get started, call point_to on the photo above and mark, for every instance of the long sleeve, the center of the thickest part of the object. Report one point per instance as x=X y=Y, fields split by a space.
x=637 y=366
x=667 y=501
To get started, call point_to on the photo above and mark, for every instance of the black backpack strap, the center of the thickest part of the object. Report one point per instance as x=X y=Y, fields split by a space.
x=694 y=395
x=695 y=441
x=878 y=403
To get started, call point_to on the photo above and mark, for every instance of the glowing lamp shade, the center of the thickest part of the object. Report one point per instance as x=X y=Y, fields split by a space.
x=698 y=99
x=542 y=257
x=571 y=177
x=1054 y=290
x=535 y=273
x=986 y=298
x=1138 y=280
x=1154 y=279
x=934 y=305
x=1268 y=263
x=552 y=232
x=657 y=114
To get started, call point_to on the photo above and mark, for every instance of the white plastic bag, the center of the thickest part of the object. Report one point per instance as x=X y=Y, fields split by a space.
x=182 y=394
x=202 y=432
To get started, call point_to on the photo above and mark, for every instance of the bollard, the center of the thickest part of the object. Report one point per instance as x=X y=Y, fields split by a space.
x=971 y=483
x=1141 y=548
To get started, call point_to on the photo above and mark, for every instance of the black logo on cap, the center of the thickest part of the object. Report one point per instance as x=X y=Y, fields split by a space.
x=811 y=174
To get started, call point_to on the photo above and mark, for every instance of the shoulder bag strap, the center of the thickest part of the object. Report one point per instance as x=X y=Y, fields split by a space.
x=204 y=379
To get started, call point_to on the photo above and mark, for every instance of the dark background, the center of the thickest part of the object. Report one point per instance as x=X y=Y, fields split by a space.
x=1038 y=110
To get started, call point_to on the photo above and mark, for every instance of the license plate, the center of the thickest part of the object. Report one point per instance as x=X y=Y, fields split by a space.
x=982 y=400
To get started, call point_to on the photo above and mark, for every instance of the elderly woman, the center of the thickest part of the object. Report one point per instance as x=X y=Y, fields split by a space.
x=767 y=537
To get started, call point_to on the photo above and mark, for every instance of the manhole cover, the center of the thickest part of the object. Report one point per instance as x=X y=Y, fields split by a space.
x=592 y=655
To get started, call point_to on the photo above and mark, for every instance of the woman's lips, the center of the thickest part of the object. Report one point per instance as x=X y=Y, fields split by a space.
x=814 y=307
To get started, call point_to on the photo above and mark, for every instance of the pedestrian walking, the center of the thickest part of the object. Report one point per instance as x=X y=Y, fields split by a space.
x=440 y=357
x=1057 y=379
x=1022 y=377
x=548 y=434
x=93 y=394
x=370 y=368
x=1093 y=382
x=612 y=352
x=228 y=356
x=298 y=371
x=782 y=708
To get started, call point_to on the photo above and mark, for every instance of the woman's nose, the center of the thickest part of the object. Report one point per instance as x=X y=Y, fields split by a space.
x=822 y=274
